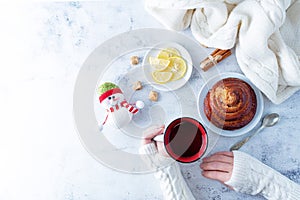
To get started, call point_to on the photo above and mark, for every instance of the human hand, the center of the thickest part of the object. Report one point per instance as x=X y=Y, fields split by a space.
x=218 y=166
x=150 y=133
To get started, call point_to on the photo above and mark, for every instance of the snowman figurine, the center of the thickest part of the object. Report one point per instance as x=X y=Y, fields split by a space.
x=118 y=111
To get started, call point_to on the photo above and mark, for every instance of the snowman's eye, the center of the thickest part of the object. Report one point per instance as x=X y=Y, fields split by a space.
x=113 y=97
x=109 y=98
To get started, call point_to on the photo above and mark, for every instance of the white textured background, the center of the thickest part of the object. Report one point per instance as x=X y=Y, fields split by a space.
x=42 y=46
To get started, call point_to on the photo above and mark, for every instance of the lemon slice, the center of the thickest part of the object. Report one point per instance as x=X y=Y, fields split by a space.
x=162 y=77
x=159 y=64
x=178 y=67
x=167 y=53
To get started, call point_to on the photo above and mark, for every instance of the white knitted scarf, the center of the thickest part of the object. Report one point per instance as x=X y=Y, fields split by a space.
x=266 y=34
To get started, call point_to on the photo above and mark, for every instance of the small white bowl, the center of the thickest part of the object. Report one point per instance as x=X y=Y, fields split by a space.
x=173 y=85
x=230 y=133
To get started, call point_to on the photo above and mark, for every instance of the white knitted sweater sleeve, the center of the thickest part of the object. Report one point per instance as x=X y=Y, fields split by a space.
x=168 y=173
x=251 y=176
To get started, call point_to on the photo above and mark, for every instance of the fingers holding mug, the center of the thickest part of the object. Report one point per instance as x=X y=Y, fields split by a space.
x=185 y=139
x=151 y=132
x=149 y=136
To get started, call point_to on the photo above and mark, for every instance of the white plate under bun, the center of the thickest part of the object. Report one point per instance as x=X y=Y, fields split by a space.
x=173 y=85
x=230 y=133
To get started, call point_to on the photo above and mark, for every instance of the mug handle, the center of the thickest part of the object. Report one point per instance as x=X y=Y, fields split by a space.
x=159 y=138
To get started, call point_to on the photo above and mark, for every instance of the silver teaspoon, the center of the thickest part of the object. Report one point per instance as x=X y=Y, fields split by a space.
x=268 y=121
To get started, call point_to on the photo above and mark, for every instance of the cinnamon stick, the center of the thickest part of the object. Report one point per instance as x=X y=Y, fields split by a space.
x=215 y=57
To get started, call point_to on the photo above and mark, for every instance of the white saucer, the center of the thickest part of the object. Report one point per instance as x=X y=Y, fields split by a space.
x=173 y=85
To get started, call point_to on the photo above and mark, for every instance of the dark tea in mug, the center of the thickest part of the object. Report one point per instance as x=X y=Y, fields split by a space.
x=185 y=139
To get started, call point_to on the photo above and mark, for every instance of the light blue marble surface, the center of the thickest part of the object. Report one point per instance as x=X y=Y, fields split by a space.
x=43 y=46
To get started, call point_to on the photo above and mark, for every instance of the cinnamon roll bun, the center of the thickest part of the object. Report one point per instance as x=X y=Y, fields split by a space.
x=230 y=104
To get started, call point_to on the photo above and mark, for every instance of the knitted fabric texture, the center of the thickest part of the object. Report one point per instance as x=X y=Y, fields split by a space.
x=250 y=176
x=167 y=171
x=265 y=33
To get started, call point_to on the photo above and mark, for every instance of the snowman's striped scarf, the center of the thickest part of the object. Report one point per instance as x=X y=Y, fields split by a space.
x=125 y=104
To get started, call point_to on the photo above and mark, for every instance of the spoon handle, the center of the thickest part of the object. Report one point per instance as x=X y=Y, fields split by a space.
x=239 y=144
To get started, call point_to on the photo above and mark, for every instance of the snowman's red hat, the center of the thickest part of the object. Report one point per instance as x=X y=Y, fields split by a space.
x=109 y=93
x=107 y=89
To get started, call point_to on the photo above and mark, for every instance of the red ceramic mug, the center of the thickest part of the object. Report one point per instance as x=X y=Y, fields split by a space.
x=185 y=139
